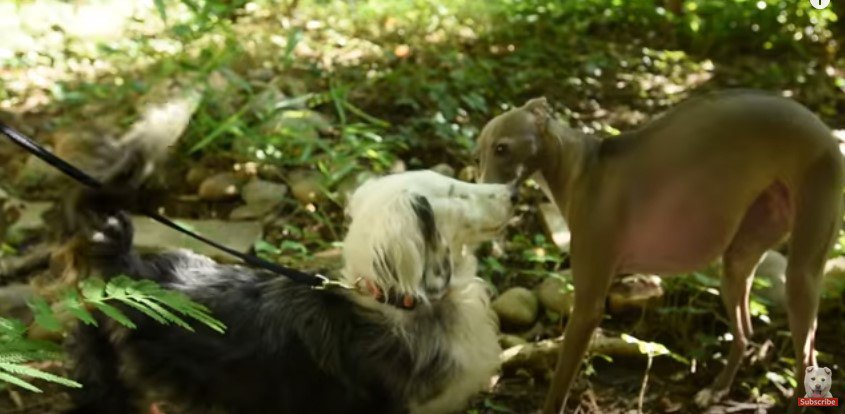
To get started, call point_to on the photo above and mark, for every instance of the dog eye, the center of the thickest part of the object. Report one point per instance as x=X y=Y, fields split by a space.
x=822 y=379
x=501 y=149
x=813 y=379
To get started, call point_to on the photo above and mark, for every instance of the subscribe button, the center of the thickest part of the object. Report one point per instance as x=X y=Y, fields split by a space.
x=818 y=402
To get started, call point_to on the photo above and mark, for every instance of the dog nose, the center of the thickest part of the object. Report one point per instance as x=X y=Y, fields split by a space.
x=514 y=195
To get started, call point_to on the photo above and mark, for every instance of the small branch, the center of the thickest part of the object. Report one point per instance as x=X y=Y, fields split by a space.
x=538 y=358
x=643 y=386
x=15 y=268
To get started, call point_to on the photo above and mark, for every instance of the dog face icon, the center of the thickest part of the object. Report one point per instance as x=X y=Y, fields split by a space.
x=817 y=381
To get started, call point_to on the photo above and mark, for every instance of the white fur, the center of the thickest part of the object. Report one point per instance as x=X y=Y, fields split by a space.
x=465 y=214
x=474 y=345
x=817 y=380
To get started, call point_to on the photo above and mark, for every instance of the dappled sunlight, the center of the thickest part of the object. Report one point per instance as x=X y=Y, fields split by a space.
x=304 y=100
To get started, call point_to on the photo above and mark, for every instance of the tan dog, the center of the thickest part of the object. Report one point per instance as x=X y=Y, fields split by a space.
x=730 y=174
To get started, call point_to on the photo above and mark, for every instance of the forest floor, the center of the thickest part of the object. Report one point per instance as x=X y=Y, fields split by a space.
x=316 y=99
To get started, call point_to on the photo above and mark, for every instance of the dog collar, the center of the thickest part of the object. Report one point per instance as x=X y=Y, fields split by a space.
x=396 y=299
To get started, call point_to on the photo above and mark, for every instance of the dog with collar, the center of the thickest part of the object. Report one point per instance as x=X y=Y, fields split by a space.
x=415 y=335
x=729 y=174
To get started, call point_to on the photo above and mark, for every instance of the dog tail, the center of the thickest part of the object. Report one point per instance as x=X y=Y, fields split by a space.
x=97 y=233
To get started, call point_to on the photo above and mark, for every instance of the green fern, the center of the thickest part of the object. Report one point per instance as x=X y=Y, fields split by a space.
x=17 y=352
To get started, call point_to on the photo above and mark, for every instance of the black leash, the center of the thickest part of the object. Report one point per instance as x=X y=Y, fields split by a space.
x=314 y=280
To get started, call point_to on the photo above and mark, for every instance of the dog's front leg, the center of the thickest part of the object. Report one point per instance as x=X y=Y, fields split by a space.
x=593 y=269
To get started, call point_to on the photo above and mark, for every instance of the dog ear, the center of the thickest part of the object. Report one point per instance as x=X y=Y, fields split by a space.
x=810 y=368
x=539 y=107
x=542 y=112
x=826 y=370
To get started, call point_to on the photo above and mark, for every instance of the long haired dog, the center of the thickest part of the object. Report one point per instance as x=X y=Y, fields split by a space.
x=415 y=335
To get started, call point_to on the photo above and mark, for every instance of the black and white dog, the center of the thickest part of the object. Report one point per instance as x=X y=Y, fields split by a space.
x=416 y=335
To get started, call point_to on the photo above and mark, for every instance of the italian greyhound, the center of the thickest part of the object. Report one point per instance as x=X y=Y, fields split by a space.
x=728 y=174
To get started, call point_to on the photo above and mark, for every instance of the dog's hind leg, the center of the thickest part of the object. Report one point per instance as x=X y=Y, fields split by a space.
x=96 y=367
x=818 y=215
x=764 y=225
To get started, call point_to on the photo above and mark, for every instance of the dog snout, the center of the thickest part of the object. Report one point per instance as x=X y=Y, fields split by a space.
x=514 y=194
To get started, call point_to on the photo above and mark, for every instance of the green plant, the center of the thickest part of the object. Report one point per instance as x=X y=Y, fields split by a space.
x=17 y=351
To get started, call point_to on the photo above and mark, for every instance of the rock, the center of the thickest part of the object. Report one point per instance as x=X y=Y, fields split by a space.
x=196 y=175
x=13 y=299
x=334 y=253
x=634 y=293
x=468 y=174
x=833 y=285
x=509 y=341
x=252 y=211
x=538 y=359
x=218 y=187
x=398 y=167
x=772 y=269
x=263 y=192
x=36 y=174
x=306 y=186
x=300 y=123
x=271 y=173
x=444 y=169
x=517 y=308
x=152 y=236
x=25 y=263
x=555 y=296
x=555 y=226
x=28 y=219
x=218 y=83
x=351 y=183
x=265 y=101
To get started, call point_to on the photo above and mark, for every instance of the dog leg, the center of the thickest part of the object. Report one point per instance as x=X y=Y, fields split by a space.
x=817 y=218
x=591 y=279
x=765 y=225
x=736 y=287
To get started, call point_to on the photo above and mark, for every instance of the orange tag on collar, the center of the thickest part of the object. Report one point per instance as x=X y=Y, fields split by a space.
x=408 y=301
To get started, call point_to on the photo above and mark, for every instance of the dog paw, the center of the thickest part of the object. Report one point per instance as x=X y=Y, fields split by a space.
x=105 y=230
x=709 y=396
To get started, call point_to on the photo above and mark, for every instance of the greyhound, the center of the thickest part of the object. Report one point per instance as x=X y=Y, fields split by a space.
x=727 y=174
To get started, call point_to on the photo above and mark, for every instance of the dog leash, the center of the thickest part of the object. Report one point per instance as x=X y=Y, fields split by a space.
x=316 y=280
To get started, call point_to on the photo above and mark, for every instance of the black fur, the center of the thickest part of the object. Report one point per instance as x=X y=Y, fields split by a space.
x=438 y=269
x=425 y=216
x=288 y=348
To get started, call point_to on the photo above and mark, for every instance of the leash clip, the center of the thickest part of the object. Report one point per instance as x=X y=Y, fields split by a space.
x=327 y=283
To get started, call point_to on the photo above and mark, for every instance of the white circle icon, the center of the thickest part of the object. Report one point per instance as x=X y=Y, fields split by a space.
x=820 y=4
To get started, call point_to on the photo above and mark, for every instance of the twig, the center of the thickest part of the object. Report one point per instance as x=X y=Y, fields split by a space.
x=13 y=268
x=643 y=386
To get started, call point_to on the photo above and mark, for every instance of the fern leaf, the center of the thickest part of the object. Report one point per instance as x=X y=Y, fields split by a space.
x=209 y=321
x=25 y=370
x=166 y=314
x=143 y=309
x=117 y=286
x=12 y=328
x=13 y=358
x=74 y=305
x=19 y=382
x=93 y=289
x=182 y=304
x=115 y=314
x=44 y=315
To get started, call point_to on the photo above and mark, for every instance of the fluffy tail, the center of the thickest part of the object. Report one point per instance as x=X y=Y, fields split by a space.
x=97 y=233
